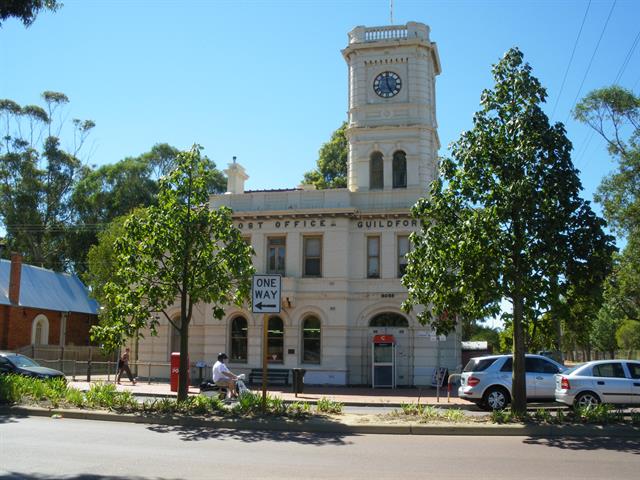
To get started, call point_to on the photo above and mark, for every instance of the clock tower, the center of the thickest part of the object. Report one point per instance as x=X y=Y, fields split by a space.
x=392 y=128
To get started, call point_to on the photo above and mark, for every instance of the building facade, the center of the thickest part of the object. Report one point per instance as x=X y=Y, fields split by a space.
x=341 y=252
x=39 y=307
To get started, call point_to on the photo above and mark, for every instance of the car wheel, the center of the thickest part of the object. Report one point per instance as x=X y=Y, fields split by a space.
x=586 y=400
x=496 y=398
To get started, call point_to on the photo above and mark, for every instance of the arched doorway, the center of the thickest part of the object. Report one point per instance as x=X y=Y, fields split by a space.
x=396 y=324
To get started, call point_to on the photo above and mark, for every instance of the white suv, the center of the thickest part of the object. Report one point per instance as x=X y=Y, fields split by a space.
x=486 y=381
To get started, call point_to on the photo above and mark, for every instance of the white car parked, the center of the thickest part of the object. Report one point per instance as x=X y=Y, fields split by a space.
x=601 y=381
x=486 y=381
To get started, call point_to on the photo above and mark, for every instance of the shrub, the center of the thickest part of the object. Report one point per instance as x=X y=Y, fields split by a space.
x=326 y=405
x=602 y=413
x=412 y=408
x=299 y=409
x=429 y=413
x=543 y=415
x=10 y=391
x=75 y=397
x=101 y=395
x=455 y=415
x=125 y=401
x=165 y=406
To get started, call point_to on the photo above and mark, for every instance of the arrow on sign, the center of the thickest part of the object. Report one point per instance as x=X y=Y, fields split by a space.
x=265 y=305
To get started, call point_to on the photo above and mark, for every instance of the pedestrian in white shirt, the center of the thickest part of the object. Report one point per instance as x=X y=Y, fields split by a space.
x=224 y=377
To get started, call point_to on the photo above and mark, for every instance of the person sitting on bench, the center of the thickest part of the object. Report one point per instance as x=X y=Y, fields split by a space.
x=223 y=377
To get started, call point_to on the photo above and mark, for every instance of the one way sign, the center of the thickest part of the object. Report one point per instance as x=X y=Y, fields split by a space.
x=265 y=293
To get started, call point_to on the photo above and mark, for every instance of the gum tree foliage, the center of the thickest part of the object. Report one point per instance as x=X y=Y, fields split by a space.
x=176 y=252
x=505 y=220
x=37 y=176
x=331 y=171
x=26 y=10
x=110 y=191
x=614 y=113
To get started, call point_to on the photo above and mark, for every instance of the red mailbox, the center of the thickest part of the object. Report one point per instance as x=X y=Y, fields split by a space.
x=175 y=371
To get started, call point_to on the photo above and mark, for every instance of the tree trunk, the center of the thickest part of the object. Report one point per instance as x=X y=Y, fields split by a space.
x=518 y=380
x=183 y=383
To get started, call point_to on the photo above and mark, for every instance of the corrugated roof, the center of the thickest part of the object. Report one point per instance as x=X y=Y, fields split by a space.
x=46 y=289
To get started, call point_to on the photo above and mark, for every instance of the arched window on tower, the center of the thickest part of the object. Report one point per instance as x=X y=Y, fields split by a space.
x=399 y=169
x=376 y=171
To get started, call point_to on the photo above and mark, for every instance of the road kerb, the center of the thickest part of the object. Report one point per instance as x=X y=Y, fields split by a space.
x=327 y=426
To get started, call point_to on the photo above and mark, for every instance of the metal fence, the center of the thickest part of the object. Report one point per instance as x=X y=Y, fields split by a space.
x=86 y=370
x=581 y=356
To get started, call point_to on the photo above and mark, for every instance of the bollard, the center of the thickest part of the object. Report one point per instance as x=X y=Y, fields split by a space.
x=73 y=375
x=89 y=370
x=109 y=371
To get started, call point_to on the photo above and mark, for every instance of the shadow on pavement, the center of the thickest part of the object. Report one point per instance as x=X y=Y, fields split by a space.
x=80 y=476
x=627 y=445
x=10 y=417
x=190 y=434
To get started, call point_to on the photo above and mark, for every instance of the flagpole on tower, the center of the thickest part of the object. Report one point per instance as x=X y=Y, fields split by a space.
x=391 y=12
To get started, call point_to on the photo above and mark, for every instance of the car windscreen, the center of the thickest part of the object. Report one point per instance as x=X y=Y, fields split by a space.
x=22 y=361
x=478 y=364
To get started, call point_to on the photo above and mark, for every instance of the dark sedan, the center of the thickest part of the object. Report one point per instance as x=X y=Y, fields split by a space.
x=21 y=365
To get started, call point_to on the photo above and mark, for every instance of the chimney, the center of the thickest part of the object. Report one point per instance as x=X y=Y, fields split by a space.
x=236 y=176
x=14 y=278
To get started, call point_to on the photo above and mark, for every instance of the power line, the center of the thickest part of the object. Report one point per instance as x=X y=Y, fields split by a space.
x=575 y=45
x=627 y=58
x=593 y=55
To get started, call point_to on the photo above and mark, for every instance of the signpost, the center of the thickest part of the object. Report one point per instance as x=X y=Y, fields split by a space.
x=266 y=291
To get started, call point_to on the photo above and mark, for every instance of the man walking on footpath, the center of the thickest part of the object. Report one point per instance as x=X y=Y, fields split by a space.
x=123 y=366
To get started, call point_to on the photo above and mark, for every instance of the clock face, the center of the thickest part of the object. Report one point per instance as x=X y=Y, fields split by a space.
x=387 y=84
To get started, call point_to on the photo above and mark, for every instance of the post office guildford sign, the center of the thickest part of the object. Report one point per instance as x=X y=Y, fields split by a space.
x=374 y=223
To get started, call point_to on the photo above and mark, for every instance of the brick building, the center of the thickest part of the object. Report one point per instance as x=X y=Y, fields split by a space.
x=42 y=307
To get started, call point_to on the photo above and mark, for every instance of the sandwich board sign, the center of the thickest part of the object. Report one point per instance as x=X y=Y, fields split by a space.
x=265 y=293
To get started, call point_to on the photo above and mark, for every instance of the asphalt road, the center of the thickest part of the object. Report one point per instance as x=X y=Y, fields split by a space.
x=46 y=448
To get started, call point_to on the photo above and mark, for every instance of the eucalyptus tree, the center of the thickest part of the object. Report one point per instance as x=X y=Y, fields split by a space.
x=505 y=220
x=37 y=176
x=178 y=251
x=614 y=113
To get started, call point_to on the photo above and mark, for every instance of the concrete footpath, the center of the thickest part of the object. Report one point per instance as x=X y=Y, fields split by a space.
x=348 y=396
x=338 y=424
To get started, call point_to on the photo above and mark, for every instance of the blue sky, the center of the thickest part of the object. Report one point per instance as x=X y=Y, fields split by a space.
x=265 y=80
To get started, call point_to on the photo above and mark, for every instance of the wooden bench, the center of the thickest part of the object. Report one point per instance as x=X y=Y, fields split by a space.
x=275 y=376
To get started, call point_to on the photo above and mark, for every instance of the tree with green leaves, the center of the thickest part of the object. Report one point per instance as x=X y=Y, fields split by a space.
x=37 y=177
x=331 y=171
x=628 y=336
x=26 y=10
x=178 y=251
x=505 y=220
x=603 y=332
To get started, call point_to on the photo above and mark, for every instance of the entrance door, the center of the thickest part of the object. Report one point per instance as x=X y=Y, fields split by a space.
x=402 y=359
